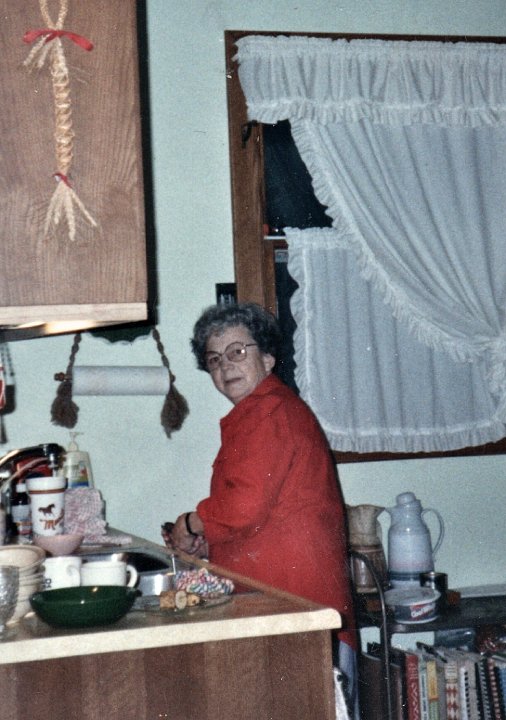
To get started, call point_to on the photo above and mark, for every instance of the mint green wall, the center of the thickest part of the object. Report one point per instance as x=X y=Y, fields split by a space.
x=146 y=478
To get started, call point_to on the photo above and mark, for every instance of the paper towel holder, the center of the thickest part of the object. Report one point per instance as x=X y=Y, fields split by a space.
x=117 y=380
x=64 y=410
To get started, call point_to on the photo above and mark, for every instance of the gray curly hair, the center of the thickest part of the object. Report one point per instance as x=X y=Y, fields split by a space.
x=262 y=326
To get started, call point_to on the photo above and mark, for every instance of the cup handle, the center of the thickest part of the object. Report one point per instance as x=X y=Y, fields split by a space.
x=74 y=574
x=132 y=575
x=441 y=529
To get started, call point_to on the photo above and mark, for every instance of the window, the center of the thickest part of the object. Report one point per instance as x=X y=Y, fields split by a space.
x=254 y=252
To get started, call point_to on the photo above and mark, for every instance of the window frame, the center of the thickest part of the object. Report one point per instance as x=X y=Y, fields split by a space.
x=253 y=253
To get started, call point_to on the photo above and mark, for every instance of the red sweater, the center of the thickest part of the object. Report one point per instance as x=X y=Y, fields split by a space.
x=275 y=512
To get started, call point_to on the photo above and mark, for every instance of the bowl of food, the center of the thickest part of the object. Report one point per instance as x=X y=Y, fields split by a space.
x=83 y=606
x=63 y=544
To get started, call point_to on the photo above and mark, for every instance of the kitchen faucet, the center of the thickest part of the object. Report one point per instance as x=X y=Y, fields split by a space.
x=49 y=453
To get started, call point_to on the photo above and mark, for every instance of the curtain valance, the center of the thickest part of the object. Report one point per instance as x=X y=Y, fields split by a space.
x=392 y=82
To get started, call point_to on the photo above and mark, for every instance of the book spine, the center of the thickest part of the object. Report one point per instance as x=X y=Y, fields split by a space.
x=465 y=709
x=424 y=698
x=412 y=686
x=495 y=700
x=432 y=688
x=440 y=670
x=483 y=689
x=398 y=660
x=452 y=689
x=500 y=672
x=474 y=711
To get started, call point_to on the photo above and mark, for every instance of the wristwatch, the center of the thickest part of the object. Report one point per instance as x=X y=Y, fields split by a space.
x=188 y=526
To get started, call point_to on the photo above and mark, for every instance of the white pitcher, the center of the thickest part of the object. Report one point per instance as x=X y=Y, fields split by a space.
x=410 y=550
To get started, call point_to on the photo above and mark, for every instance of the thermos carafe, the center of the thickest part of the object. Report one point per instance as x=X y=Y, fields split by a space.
x=410 y=550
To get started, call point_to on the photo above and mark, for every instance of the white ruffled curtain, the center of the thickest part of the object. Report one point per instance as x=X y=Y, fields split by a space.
x=406 y=145
x=372 y=385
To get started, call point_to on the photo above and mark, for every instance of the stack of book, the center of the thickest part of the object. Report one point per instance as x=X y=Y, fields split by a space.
x=434 y=683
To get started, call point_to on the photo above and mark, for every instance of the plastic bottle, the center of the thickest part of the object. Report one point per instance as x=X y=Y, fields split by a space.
x=20 y=513
x=77 y=466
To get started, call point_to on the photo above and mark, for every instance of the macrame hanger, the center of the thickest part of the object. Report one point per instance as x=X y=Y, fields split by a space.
x=175 y=408
x=64 y=411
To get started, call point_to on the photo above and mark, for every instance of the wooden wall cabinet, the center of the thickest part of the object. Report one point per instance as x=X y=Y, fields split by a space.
x=100 y=277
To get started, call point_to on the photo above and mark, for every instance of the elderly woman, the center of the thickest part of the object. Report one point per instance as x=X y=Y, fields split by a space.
x=275 y=511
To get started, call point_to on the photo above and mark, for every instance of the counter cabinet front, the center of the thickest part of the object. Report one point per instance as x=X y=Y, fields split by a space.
x=283 y=676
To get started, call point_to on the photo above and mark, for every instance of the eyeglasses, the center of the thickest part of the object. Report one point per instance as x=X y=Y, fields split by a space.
x=235 y=352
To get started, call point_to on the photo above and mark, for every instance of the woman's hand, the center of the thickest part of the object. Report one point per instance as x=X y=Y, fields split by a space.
x=167 y=534
x=193 y=543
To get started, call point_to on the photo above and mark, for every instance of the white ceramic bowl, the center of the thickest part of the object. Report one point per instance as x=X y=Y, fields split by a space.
x=29 y=580
x=26 y=590
x=413 y=605
x=63 y=544
x=27 y=558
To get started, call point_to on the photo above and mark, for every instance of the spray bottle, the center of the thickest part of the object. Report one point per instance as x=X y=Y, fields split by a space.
x=77 y=466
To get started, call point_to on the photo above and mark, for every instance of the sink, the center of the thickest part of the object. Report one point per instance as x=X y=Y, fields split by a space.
x=143 y=559
x=156 y=568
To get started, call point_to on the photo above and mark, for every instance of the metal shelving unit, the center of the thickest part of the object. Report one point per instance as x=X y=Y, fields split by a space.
x=469 y=612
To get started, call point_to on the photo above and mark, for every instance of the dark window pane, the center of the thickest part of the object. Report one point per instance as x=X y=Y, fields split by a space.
x=290 y=202
x=289 y=196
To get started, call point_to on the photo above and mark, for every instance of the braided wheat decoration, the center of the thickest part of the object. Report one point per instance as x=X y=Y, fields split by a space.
x=48 y=45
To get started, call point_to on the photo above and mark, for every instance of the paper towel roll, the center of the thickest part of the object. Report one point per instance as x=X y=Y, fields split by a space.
x=116 y=380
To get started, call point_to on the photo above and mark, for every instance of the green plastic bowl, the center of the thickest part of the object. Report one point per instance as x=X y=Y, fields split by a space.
x=81 y=607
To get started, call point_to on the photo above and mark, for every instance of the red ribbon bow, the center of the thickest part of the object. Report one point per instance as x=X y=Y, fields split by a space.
x=63 y=178
x=31 y=35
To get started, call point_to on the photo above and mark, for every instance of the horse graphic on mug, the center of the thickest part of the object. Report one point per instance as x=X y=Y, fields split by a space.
x=48 y=510
x=46 y=513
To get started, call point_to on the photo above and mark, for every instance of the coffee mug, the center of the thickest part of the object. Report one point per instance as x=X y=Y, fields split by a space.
x=108 y=572
x=62 y=571
x=437 y=581
x=47 y=503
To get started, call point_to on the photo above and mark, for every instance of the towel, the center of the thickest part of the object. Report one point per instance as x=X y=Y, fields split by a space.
x=84 y=515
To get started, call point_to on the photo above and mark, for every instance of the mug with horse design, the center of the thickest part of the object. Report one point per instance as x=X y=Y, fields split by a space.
x=47 y=496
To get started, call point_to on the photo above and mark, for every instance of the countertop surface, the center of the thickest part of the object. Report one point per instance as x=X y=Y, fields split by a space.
x=263 y=611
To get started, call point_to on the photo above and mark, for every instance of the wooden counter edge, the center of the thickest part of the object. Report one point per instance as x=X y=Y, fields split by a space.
x=119 y=638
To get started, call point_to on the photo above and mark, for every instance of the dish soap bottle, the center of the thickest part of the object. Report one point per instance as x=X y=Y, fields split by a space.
x=77 y=466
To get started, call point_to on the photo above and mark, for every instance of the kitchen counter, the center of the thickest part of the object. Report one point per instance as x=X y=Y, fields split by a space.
x=245 y=615
x=263 y=653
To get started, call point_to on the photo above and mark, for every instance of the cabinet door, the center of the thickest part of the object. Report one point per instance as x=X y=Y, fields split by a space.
x=100 y=275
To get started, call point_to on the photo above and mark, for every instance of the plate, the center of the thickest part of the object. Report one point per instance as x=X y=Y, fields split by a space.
x=151 y=605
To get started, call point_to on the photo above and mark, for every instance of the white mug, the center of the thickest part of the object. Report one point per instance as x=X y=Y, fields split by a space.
x=62 y=571
x=108 y=572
